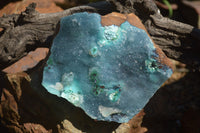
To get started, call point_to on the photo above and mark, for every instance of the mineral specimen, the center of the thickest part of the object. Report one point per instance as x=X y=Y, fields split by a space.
x=109 y=71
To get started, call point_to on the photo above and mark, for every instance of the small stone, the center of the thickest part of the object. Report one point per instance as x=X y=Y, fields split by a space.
x=67 y=127
x=117 y=64
x=32 y=127
x=31 y=60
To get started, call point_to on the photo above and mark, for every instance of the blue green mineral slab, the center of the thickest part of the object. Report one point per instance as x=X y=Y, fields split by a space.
x=110 y=72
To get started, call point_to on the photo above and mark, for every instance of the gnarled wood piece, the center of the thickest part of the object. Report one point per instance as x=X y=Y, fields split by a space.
x=26 y=31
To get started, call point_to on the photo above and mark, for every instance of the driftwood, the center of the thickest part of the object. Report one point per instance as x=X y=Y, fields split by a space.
x=26 y=31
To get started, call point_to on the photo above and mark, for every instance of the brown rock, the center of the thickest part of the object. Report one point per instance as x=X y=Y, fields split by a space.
x=135 y=123
x=133 y=126
x=28 y=62
x=113 y=18
x=11 y=110
x=123 y=128
x=35 y=128
x=67 y=127
x=9 y=116
x=43 y=6
x=118 y=18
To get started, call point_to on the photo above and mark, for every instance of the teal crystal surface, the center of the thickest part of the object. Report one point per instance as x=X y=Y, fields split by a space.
x=110 y=72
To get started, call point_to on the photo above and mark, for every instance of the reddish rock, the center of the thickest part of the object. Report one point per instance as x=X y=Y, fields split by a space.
x=43 y=6
x=35 y=128
x=28 y=62
x=118 y=18
x=8 y=106
x=11 y=105
x=9 y=116
x=113 y=18
x=60 y=1
x=135 y=123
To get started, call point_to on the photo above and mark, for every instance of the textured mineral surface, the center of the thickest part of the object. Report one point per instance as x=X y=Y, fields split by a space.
x=111 y=72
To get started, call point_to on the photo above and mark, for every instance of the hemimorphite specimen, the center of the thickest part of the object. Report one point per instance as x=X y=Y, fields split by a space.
x=110 y=72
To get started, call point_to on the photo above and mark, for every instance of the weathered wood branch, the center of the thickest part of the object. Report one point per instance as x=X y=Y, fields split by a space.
x=26 y=31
